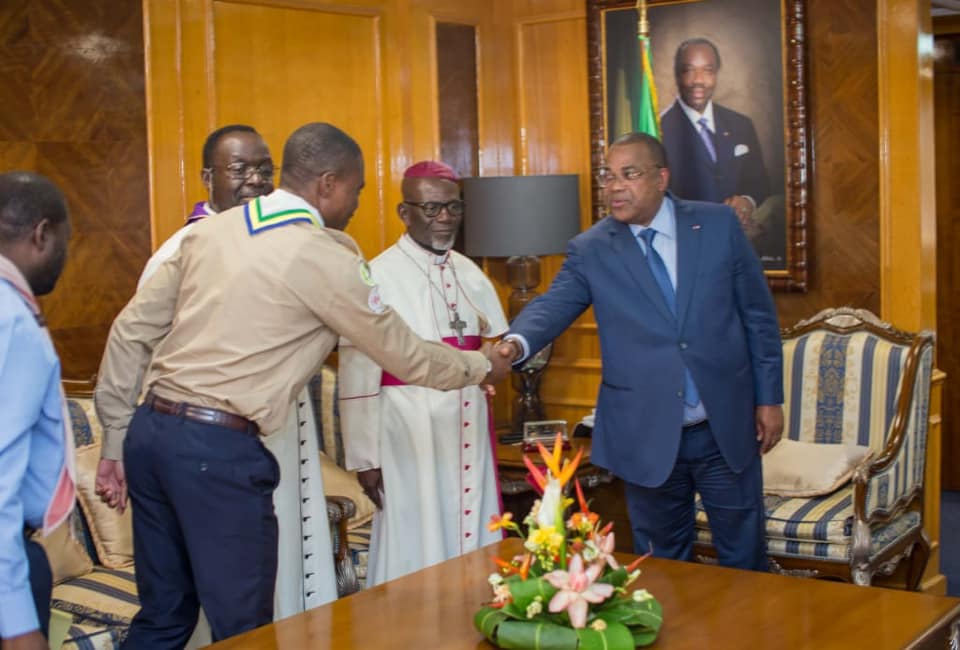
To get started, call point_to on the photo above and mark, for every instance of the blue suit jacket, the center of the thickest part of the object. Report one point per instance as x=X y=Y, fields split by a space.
x=694 y=176
x=726 y=332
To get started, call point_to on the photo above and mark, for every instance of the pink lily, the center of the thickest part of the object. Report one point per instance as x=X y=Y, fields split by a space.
x=577 y=589
x=605 y=546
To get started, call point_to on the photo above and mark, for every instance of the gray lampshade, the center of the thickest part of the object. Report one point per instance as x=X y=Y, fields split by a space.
x=520 y=215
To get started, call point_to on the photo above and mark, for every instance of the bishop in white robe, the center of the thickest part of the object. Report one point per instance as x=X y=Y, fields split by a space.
x=435 y=449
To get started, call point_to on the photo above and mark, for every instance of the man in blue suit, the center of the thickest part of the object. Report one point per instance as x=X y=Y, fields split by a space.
x=714 y=151
x=691 y=388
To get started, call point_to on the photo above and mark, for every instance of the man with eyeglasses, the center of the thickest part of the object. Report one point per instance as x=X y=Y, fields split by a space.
x=219 y=342
x=424 y=457
x=691 y=390
x=237 y=168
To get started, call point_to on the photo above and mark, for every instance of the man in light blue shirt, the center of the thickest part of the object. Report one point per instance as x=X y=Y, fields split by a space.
x=34 y=231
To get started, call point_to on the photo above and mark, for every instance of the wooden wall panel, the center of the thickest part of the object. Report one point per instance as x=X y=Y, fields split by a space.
x=72 y=75
x=844 y=255
x=292 y=54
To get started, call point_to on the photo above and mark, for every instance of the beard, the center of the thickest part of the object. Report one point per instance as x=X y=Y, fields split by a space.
x=442 y=243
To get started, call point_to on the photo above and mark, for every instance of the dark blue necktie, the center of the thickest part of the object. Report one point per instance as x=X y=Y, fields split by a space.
x=659 y=270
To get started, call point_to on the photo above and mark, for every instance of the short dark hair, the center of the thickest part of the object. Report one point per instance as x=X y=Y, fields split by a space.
x=210 y=144
x=678 y=57
x=316 y=148
x=26 y=199
x=653 y=145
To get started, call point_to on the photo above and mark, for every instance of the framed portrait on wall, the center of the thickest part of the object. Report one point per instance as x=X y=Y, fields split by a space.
x=731 y=99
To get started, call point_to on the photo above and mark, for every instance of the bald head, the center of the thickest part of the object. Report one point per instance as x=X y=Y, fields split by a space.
x=34 y=228
x=324 y=166
x=26 y=199
x=316 y=148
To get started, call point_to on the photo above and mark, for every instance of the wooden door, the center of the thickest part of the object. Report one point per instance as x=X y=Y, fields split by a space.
x=947 y=121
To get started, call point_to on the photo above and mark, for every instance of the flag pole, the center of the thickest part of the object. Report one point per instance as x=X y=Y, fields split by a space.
x=643 y=25
x=649 y=119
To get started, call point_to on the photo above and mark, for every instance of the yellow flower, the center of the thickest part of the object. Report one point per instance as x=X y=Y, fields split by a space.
x=599 y=625
x=545 y=538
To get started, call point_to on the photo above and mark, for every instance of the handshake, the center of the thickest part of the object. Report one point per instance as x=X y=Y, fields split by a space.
x=502 y=356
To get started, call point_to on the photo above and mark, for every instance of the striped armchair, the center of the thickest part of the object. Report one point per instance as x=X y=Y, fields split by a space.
x=850 y=378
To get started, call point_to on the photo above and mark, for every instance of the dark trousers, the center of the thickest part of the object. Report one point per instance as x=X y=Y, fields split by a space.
x=663 y=517
x=204 y=529
x=41 y=582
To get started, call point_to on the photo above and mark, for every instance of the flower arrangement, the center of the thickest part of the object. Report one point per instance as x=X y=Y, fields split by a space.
x=567 y=589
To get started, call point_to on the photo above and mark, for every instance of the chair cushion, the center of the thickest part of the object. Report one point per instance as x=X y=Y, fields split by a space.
x=111 y=531
x=339 y=482
x=806 y=469
x=880 y=539
x=68 y=559
x=820 y=519
x=102 y=604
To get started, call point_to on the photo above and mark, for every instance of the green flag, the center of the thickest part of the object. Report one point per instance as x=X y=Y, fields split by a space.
x=646 y=119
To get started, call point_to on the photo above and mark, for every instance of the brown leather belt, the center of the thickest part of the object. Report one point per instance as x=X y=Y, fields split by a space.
x=200 y=414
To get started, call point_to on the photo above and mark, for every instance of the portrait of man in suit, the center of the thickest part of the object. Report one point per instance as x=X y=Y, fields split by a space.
x=713 y=151
x=722 y=63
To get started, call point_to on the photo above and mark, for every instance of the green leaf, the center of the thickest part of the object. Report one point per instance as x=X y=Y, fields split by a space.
x=615 y=578
x=643 y=637
x=523 y=592
x=629 y=612
x=535 y=635
x=614 y=637
x=487 y=620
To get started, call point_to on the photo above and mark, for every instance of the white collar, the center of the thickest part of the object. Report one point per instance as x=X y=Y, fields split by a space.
x=408 y=244
x=693 y=115
x=664 y=221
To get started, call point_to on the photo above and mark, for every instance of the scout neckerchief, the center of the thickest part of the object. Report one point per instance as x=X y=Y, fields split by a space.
x=64 y=494
x=260 y=218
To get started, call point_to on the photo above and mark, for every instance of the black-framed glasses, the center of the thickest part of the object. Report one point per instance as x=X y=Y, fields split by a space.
x=606 y=176
x=239 y=171
x=432 y=209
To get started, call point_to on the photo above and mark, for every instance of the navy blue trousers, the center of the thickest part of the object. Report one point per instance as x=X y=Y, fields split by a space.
x=663 y=517
x=204 y=529
x=41 y=582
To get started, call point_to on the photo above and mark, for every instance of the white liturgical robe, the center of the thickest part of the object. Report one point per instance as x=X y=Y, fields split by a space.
x=435 y=448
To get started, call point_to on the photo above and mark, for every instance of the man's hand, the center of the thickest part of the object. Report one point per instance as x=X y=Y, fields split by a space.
x=501 y=362
x=29 y=641
x=371 y=480
x=744 y=208
x=111 y=484
x=769 y=426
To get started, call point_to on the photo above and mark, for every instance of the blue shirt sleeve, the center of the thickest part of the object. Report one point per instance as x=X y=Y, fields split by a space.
x=25 y=375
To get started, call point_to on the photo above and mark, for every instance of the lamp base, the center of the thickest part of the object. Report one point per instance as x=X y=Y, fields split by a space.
x=523 y=274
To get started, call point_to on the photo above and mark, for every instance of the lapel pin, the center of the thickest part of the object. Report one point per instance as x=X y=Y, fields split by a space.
x=695 y=226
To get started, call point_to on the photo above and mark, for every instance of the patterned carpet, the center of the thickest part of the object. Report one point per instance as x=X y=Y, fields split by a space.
x=950 y=540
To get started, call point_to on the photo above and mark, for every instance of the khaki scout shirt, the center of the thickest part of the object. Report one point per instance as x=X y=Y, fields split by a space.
x=247 y=310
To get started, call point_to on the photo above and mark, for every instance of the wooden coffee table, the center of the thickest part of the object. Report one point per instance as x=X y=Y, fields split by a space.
x=704 y=607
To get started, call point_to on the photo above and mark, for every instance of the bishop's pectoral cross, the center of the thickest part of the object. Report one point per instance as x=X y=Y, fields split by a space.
x=457 y=325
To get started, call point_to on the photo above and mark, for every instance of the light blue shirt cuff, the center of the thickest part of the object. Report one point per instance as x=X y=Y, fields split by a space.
x=522 y=340
x=18 y=614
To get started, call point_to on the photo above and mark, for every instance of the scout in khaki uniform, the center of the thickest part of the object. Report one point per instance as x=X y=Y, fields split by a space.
x=219 y=341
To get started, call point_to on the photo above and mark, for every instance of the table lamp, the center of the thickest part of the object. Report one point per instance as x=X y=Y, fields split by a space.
x=521 y=217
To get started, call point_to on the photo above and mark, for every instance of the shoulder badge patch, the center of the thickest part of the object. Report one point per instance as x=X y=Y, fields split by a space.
x=366 y=275
x=375 y=302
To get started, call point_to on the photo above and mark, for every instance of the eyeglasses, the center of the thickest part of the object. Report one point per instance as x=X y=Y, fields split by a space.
x=432 y=209
x=240 y=171
x=606 y=176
